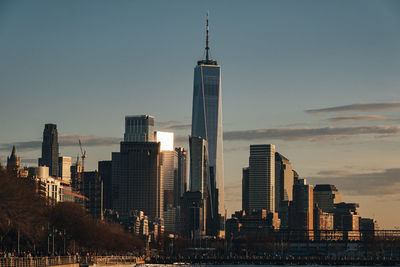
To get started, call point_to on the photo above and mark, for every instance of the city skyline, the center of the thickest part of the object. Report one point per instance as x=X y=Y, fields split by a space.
x=326 y=95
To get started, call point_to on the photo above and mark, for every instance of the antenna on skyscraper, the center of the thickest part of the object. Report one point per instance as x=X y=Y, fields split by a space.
x=207 y=47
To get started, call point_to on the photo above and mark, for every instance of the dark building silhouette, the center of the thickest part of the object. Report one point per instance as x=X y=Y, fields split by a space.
x=245 y=189
x=13 y=162
x=105 y=172
x=93 y=190
x=302 y=208
x=181 y=176
x=50 y=149
x=136 y=180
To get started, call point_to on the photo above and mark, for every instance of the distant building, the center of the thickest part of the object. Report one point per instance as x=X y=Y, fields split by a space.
x=168 y=159
x=139 y=128
x=50 y=149
x=302 y=212
x=194 y=224
x=254 y=223
x=323 y=225
x=207 y=124
x=284 y=179
x=136 y=179
x=262 y=177
x=76 y=174
x=168 y=173
x=93 y=190
x=245 y=189
x=137 y=183
x=326 y=196
x=14 y=163
x=181 y=177
x=105 y=172
x=200 y=182
x=64 y=164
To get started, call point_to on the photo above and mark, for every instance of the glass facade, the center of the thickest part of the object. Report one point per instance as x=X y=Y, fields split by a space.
x=207 y=123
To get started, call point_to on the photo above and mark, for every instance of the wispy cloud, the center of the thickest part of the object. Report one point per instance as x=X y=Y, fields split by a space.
x=357 y=118
x=174 y=125
x=376 y=183
x=365 y=107
x=64 y=140
x=295 y=134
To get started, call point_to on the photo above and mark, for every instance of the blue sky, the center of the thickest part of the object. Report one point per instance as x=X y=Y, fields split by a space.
x=84 y=65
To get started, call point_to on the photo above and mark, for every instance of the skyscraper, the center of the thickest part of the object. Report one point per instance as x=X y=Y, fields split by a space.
x=168 y=165
x=64 y=165
x=245 y=189
x=284 y=179
x=136 y=180
x=207 y=122
x=302 y=216
x=181 y=177
x=262 y=177
x=50 y=149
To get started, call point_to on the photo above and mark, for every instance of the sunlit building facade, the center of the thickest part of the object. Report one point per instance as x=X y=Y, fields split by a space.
x=262 y=177
x=207 y=123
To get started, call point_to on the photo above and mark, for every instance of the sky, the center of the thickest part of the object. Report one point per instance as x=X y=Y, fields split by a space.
x=319 y=79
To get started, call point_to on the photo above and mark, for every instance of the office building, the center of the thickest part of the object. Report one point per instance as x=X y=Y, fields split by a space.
x=93 y=190
x=181 y=177
x=207 y=124
x=302 y=213
x=262 y=177
x=136 y=171
x=326 y=196
x=284 y=179
x=168 y=160
x=139 y=128
x=50 y=149
x=168 y=172
x=105 y=172
x=245 y=189
x=64 y=164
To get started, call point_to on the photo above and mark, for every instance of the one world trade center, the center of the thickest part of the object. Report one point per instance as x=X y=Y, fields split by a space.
x=207 y=124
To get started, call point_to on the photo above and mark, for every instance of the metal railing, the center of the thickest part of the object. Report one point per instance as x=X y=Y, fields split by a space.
x=37 y=261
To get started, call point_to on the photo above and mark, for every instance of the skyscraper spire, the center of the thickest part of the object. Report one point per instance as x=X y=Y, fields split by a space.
x=207 y=60
x=207 y=47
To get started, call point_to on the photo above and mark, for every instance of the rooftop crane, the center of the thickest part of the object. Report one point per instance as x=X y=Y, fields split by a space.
x=83 y=156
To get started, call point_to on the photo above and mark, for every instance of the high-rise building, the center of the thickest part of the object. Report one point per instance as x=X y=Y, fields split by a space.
x=64 y=164
x=139 y=128
x=199 y=165
x=136 y=179
x=207 y=123
x=76 y=174
x=181 y=177
x=245 y=189
x=284 y=179
x=93 y=190
x=302 y=216
x=168 y=159
x=50 y=149
x=168 y=172
x=137 y=183
x=262 y=177
x=105 y=172
x=326 y=196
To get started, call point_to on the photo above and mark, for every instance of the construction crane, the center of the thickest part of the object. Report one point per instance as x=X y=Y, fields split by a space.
x=83 y=156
